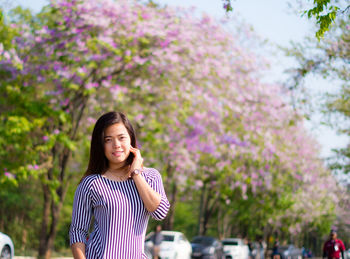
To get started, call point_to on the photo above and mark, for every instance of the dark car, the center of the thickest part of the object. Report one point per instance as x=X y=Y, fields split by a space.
x=290 y=252
x=205 y=247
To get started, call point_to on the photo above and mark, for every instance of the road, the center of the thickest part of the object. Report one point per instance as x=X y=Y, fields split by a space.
x=29 y=257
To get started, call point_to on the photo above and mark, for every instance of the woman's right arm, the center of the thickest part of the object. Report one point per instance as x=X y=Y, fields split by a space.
x=81 y=218
x=78 y=250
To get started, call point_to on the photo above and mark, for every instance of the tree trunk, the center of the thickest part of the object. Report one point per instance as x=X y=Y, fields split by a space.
x=201 y=208
x=24 y=240
x=55 y=212
x=207 y=206
x=208 y=211
x=52 y=207
x=52 y=210
x=168 y=223
x=224 y=226
x=44 y=222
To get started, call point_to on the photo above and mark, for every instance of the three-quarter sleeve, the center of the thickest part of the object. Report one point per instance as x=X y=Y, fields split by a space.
x=81 y=215
x=156 y=184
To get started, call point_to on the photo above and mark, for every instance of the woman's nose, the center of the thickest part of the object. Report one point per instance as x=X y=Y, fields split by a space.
x=116 y=143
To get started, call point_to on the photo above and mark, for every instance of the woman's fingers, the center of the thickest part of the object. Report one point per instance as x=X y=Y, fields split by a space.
x=138 y=160
x=135 y=151
x=132 y=149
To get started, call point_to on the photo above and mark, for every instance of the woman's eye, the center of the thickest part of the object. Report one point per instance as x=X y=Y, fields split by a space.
x=107 y=140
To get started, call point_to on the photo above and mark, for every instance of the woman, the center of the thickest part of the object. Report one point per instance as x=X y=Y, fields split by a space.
x=118 y=192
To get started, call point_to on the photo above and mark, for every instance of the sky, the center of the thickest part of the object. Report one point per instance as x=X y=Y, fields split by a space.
x=273 y=20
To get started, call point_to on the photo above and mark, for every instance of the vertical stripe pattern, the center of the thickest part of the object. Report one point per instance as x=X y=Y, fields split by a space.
x=120 y=217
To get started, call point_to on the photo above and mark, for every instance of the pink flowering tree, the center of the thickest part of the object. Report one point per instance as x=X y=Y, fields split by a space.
x=192 y=89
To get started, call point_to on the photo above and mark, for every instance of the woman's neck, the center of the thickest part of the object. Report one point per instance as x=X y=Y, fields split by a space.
x=117 y=174
x=121 y=170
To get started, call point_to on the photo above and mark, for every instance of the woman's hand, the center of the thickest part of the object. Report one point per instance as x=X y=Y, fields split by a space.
x=151 y=199
x=138 y=160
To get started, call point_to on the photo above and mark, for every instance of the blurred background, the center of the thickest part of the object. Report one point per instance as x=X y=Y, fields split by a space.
x=244 y=112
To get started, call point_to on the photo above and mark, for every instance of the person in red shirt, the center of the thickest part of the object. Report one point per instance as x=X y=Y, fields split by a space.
x=333 y=247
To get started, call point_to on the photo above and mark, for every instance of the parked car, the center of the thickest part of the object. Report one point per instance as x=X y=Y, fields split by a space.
x=174 y=245
x=7 y=250
x=290 y=252
x=235 y=248
x=205 y=247
x=347 y=254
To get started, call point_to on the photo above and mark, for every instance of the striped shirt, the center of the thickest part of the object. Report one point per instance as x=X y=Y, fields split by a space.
x=120 y=217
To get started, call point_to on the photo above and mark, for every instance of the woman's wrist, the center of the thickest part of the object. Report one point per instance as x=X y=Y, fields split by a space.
x=136 y=172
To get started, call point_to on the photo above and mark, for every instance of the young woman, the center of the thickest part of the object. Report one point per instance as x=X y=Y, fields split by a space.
x=118 y=192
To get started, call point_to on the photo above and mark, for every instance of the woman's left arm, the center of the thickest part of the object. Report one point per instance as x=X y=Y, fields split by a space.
x=150 y=197
x=153 y=198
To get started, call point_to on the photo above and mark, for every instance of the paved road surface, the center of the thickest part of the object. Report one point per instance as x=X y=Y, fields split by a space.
x=29 y=257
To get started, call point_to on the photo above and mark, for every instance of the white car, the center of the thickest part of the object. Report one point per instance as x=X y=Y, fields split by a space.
x=174 y=245
x=235 y=248
x=7 y=250
x=347 y=254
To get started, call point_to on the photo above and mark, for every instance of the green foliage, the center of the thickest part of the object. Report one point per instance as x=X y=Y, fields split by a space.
x=324 y=11
x=6 y=32
x=186 y=218
x=323 y=20
x=21 y=211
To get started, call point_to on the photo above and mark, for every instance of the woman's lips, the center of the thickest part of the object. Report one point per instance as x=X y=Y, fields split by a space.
x=117 y=153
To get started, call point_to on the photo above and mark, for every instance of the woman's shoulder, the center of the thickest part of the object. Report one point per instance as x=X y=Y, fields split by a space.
x=151 y=173
x=88 y=180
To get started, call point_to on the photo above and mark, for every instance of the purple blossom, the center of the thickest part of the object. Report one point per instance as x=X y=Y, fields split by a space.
x=139 y=117
x=128 y=53
x=198 y=184
x=6 y=55
x=145 y=16
x=129 y=66
x=65 y=102
x=91 y=85
x=298 y=177
x=9 y=175
x=227 y=139
x=195 y=132
x=165 y=43
x=206 y=148
x=31 y=167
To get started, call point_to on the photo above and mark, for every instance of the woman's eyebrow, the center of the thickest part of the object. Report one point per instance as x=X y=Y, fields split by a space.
x=121 y=134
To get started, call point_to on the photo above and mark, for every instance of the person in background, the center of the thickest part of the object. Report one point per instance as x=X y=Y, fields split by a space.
x=251 y=249
x=333 y=247
x=275 y=250
x=262 y=247
x=157 y=240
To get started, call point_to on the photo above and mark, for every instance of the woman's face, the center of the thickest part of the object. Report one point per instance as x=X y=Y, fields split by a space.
x=116 y=145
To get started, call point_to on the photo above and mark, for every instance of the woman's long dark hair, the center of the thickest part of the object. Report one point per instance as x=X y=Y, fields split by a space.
x=98 y=162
